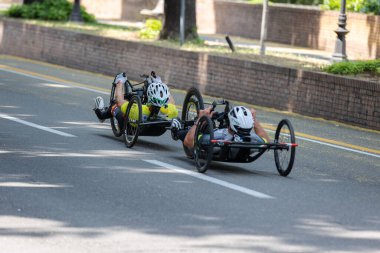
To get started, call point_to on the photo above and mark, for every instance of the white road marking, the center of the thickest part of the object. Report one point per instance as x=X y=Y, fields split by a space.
x=54 y=81
x=48 y=129
x=211 y=180
x=339 y=147
x=333 y=145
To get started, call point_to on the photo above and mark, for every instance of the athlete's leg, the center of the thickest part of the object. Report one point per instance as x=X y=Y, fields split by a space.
x=177 y=131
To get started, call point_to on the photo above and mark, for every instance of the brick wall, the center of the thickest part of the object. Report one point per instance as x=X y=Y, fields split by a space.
x=297 y=26
x=306 y=27
x=309 y=93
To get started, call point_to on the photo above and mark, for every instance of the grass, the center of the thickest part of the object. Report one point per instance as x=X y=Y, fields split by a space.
x=106 y=30
x=255 y=1
x=355 y=67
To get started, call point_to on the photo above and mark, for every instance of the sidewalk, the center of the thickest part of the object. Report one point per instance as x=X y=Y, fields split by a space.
x=218 y=39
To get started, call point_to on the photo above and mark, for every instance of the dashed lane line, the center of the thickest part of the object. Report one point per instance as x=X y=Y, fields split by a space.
x=47 y=129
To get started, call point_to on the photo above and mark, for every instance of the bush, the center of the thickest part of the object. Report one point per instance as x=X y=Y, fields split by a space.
x=303 y=2
x=354 y=67
x=365 y=6
x=56 y=10
x=151 y=30
x=371 y=6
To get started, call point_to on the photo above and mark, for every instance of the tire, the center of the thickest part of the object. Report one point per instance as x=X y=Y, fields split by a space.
x=114 y=124
x=192 y=103
x=132 y=122
x=203 y=150
x=284 y=158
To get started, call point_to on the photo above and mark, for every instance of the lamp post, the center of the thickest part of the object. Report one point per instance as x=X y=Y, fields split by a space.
x=341 y=31
x=182 y=23
x=264 y=24
x=75 y=14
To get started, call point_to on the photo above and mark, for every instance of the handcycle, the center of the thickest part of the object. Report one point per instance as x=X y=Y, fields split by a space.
x=207 y=149
x=134 y=126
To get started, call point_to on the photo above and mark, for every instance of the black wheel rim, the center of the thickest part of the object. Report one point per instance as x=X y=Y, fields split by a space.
x=114 y=124
x=202 y=144
x=191 y=105
x=284 y=158
x=132 y=122
x=192 y=110
x=115 y=127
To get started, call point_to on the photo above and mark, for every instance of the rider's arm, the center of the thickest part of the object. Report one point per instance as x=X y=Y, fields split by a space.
x=171 y=100
x=119 y=94
x=259 y=130
x=189 y=139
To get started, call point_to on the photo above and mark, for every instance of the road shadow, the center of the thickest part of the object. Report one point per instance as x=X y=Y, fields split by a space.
x=224 y=167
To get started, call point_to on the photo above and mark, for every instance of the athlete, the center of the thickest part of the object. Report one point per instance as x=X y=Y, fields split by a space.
x=158 y=97
x=243 y=125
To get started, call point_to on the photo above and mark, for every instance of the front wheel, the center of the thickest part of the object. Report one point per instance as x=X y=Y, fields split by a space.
x=133 y=118
x=117 y=131
x=192 y=103
x=284 y=158
x=203 y=148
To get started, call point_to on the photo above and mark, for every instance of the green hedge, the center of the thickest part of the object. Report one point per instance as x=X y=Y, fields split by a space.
x=355 y=67
x=303 y=2
x=57 y=10
x=151 y=29
x=365 y=6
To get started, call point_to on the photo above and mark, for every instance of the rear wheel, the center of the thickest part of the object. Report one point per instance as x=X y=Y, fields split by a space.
x=133 y=118
x=191 y=105
x=203 y=149
x=284 y=158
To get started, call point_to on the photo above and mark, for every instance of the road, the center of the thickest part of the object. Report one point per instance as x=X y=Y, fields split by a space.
x=68 y=185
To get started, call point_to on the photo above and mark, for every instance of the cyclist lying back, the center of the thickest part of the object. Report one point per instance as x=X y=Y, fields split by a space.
x=158 y=95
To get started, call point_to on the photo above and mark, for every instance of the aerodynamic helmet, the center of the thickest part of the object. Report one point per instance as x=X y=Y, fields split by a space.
x=241 y=120
x=158 y=94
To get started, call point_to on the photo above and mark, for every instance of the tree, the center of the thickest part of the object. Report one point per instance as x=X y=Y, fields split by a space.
x=76 y=16
x=172 y=10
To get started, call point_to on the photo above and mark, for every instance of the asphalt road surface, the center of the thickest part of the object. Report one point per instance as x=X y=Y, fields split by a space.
x=68 y=185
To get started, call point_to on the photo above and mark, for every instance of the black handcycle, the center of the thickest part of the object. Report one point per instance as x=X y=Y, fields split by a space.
x=207 y=149
x=134 y=125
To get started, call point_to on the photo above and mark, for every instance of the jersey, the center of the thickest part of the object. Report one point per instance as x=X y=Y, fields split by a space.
x=224 y=134
x=170 y=112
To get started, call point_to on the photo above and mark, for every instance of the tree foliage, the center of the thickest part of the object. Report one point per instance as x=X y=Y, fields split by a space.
x=365 y=6
x=57 y=10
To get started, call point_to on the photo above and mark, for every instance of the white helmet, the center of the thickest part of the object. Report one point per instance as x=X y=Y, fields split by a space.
x=241 y=120
x=158 y=94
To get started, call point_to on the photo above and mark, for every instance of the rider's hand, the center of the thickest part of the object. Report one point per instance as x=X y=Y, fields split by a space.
x=121 y=77
x=206 y=112
x=253 y=111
